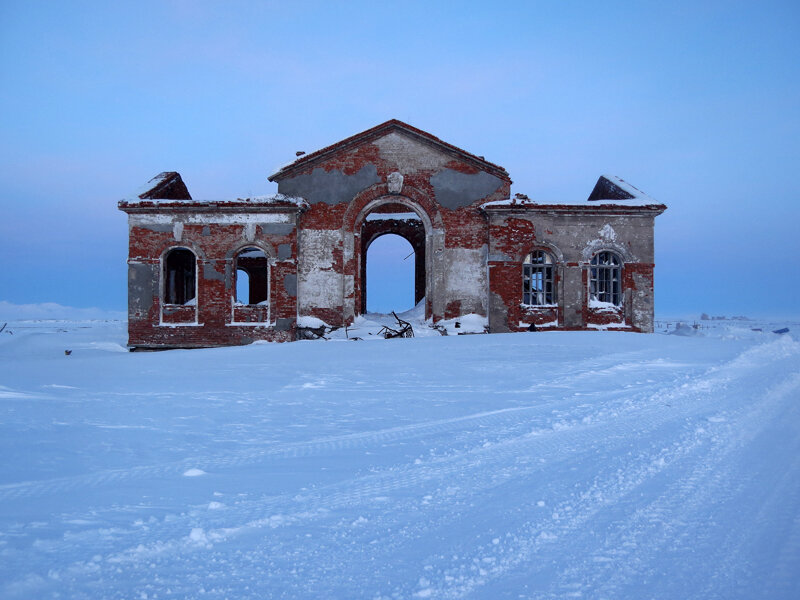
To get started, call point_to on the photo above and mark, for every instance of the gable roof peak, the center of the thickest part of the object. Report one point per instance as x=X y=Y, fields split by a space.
x=379 y=130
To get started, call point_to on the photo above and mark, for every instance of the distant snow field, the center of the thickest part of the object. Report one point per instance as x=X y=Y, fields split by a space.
x=521 y=466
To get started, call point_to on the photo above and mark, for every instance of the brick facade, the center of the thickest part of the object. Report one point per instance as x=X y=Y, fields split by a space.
x=454 y=208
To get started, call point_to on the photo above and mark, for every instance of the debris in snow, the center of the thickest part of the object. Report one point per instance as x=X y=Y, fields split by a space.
x=404 y=329
x=312 y=328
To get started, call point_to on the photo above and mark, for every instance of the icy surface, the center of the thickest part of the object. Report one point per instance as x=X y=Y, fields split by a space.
x=529 y=465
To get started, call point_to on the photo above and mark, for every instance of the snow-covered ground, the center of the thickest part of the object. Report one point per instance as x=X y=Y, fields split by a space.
x=529 y=465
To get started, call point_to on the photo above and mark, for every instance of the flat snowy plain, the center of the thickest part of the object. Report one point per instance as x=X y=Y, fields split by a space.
x=531 y=465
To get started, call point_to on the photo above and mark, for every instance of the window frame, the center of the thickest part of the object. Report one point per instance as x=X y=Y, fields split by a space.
x=542 y=271
x=605 y=278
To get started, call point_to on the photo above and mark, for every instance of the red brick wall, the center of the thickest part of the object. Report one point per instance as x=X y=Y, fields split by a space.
x=214 y=246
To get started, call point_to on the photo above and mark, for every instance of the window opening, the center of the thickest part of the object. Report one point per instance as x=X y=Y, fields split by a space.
x=390 y=274
x=604 y=281
x=537 y=279
x=180 y=267
x=252 y=276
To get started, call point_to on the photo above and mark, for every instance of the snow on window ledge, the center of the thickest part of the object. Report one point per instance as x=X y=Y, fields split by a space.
x=599 y=306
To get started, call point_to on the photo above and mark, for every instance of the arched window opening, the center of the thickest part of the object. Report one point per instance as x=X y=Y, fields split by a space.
x=252 y=276
x=605 y=278
x=180 y=268
x=390 y=274
x=537 y=279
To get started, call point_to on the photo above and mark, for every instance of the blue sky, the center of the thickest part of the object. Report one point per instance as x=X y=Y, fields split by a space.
x=697 y=104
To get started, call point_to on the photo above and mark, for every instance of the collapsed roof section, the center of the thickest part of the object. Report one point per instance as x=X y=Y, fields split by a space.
x=611 y=187
x=168 y=191
x=165 y=186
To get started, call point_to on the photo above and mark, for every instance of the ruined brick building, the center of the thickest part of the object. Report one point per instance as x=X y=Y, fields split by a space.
x=568 y=265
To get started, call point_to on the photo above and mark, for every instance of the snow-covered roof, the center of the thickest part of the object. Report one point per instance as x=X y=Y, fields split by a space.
x=276 y=200
x=609 y=190
x=584 y=206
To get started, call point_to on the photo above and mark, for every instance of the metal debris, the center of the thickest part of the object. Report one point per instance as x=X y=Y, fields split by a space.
x=404 y=329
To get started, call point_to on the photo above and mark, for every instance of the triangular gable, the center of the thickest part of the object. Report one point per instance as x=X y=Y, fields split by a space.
x=165 y=186
x=610 y=187
x=305 y=161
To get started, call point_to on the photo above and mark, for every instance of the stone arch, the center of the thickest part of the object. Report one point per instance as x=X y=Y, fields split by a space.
x=595 y=246
x=367 y=202
x=551 y=249
x=261 y=245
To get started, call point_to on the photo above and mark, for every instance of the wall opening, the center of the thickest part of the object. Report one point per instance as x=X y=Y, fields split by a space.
x=180 y=268
x=390 y=274
x=391 y=220
x=252 y=276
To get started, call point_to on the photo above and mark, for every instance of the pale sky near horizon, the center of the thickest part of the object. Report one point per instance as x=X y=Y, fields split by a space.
x=695 y=103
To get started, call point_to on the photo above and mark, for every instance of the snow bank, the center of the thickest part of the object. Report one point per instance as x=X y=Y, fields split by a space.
x=53 y=311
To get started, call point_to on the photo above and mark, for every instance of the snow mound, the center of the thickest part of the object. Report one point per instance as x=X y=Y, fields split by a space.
x=686 y=330
x=311 y=322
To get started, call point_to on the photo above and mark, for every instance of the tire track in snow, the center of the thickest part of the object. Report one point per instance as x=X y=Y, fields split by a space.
x=679 y=516
x=278 y=452
x=475 y=468
x=306 y=448
x=613 y=488
x=471 y=468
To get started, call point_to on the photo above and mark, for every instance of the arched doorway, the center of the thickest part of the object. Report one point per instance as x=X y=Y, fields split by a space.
x=389 y=222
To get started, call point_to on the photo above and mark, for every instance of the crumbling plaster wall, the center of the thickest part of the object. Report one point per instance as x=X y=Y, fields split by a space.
x=443 y=189
x=214 y=238
x=573 y=238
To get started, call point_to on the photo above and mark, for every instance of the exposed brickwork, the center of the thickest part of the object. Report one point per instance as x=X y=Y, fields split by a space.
x=469 y=254
x=215 y=319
